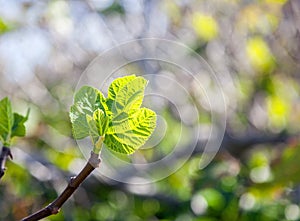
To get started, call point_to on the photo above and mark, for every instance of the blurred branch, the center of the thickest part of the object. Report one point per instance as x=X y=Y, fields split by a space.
x=237 y=146
x=54 y=207
x=5 y=153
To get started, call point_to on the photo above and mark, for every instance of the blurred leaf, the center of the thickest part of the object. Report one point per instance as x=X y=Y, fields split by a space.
x=286 y=171
x=260 y=55
x=231 y=211
x=259 y=159
x=276 y=1
x=278 y=110
x=205 y=26
x=19 y=180
x=116 y=7
x=214 y=199
x=4 y=27
x=61 y=159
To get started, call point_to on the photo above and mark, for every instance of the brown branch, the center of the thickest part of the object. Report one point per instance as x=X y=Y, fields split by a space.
x=5 y=153
x=54 y=207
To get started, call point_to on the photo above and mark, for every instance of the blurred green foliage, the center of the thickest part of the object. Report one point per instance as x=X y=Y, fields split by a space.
x=46 y=45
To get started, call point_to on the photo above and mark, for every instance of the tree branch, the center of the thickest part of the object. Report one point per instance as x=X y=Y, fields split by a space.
x=5 y=153
x=237 y=146
x=54 y=207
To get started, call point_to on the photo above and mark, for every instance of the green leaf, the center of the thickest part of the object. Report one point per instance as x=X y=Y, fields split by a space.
x=128 y=135
x=11 y=124
x=129 y=98
x=113 y=143
x=117 y=85
x=101 y=104
x=86 y=101
x=118 y=120
x=93 y=130
x=6 y=120
x=101 y=121
x=18 y=128
x=98 y=124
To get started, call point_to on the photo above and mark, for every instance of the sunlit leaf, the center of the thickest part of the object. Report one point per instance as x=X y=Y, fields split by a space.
x=118 y=120
x=98 y=124
x=86 y=101
x=129 y=97
x=117 y=85
x=131 y=133
x=101 y=120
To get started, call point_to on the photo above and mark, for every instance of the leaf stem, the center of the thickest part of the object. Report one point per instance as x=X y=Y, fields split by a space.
x=54 y=207
x=5 y=153
x=98 y=145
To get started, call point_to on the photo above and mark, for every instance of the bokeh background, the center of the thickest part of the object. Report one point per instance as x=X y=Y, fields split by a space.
x=253 y=47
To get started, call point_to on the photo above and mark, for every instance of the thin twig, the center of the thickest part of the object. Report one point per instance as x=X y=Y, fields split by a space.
x=5 y=153
x=54 y=207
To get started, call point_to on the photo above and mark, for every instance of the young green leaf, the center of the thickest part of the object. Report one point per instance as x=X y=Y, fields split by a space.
x=18 y=128
x=129 y=97
x=86 y=101
x=11 y=124
x=118 y=120
x=132 y=132
x=117 y=85
x=6 y=120
x=98 y=124
x=101 y=120
x=93 y=130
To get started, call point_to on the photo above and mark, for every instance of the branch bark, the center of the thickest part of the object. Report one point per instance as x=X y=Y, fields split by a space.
x=5 y=153
x=54 y=207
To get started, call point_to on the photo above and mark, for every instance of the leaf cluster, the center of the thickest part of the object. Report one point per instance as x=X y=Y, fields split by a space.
x=11 y=124
x=118 y=120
